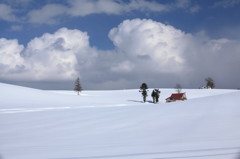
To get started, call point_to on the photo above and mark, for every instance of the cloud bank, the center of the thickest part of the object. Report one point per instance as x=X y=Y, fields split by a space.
x=52 y=13
x=145 y=51
x=49 y=13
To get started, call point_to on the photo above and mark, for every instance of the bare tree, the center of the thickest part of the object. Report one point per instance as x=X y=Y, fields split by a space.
x=78 y=87
x=178 y=88
x=210 y=83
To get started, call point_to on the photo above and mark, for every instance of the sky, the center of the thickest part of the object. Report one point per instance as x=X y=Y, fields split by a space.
x=119 y=44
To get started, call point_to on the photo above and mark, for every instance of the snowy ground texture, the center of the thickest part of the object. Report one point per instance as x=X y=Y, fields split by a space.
x=37 y=124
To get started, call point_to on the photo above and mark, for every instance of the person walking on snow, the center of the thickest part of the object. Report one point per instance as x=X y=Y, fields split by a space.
x=154 y=93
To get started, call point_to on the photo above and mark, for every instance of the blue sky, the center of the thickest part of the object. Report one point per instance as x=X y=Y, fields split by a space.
x=104 y=42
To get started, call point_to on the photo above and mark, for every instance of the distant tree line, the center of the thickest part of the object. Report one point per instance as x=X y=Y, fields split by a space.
x=210 y=83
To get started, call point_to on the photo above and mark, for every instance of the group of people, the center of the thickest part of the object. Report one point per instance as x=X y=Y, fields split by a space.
x=155 y=93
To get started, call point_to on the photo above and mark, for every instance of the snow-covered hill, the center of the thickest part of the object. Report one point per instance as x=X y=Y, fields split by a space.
x=37 y=124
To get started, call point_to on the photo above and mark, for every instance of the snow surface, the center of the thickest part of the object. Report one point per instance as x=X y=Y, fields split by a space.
x=37 y=124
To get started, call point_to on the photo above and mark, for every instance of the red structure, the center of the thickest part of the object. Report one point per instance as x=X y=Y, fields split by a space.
x=176 y=96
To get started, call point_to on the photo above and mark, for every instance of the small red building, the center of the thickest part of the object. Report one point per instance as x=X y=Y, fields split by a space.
x=176 y=96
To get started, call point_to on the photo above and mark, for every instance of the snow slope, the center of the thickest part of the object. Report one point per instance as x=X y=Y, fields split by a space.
x=37 y=124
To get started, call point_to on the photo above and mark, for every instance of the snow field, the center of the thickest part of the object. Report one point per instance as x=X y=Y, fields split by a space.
x=38 y=124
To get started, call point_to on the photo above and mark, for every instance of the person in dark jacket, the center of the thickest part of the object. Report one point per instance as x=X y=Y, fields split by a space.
x=144 y=94
x=154 y=93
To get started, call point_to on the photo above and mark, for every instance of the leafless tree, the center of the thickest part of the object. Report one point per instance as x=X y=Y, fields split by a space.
x=178 y=88
x=210 y=83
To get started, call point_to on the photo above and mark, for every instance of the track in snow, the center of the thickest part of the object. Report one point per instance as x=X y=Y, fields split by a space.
x=184 y=154
x=29 y=110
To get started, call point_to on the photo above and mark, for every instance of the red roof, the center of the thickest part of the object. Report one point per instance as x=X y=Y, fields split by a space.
x=177 y=96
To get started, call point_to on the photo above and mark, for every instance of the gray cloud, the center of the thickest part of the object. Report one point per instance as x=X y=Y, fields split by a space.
x=7 y=13
x=48 y=14
x=227 y=3
x=16 y=27
x=52 y=13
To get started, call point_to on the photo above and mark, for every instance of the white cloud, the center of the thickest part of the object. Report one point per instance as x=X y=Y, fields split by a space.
x=162 y=52
x=50 y=57
x=161 y=43
x=64 y=53
x=145 y=51
x=11 y=63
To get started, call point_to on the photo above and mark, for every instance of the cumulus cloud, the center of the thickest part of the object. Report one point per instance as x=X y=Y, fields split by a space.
x=145 y=51
x=11 y=63
x=160 y=53
x=218 y=58
x=146 y=39
x=49 y=57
